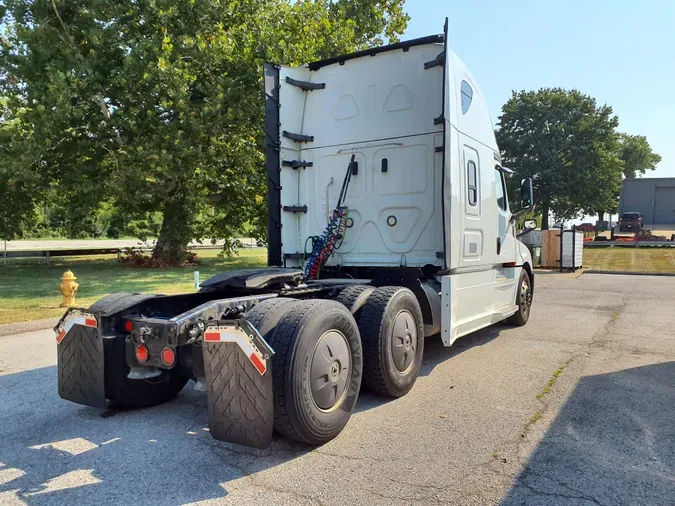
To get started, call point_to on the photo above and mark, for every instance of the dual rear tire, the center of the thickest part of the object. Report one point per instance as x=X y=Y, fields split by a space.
x=316 y=368
x=392 y=333
x=323 y=353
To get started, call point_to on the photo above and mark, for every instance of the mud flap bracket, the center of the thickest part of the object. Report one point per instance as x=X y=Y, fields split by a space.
x=237 y=364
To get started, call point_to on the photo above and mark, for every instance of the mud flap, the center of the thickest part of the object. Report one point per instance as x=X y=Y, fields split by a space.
x=237 y=364
x=80 y=359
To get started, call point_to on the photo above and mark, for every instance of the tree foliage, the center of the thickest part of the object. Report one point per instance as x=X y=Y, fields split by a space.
x=18 y=182
x=156 y=105
x=567 y=144
x=637 y=155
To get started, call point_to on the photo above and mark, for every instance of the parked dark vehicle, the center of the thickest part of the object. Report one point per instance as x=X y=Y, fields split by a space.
x=630 y=221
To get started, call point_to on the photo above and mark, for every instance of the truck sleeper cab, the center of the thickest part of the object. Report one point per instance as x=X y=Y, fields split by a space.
x=388 y=222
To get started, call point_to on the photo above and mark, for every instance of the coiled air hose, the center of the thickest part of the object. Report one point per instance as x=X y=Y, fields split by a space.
x=324 y=245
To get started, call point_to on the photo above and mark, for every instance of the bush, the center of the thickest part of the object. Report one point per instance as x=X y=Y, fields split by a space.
x=140 y=258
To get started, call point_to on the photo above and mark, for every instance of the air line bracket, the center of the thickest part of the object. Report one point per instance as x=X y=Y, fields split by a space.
x=298 y=137
x=305 y=85
x=438 y=61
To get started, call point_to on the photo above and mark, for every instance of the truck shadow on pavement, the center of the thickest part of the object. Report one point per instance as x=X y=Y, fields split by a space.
x=436 y=353
x=56 y=452
x=613 y=442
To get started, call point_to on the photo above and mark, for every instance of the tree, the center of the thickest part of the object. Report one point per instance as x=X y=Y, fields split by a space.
x=638 y=158
x=158 y=105
x=19 y=177
x=637 y=155
x=567 y=144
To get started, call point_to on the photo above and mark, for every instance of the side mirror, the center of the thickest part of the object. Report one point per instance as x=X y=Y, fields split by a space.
x=526 y=194
x=530 y=224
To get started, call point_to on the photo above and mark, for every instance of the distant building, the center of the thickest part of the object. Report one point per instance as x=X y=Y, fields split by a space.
x=653 y=198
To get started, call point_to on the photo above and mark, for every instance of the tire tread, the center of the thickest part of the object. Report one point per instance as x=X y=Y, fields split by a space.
x=116 y=302
x=378 y=374
x=349 y=297
x=371 y=320
x=265 y=309
x=284 y=344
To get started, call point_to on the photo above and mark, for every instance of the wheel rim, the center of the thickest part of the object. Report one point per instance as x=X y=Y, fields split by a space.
x=525 y=297
x=331 y=370
x=404 y=341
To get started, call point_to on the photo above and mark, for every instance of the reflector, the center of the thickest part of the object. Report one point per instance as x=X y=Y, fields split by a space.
x=168 y=356
x=142 y=353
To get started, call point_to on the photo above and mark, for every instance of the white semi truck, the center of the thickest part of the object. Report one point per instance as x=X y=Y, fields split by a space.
x=389 y=223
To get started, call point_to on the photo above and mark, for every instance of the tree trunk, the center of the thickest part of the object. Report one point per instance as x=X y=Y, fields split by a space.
x=601 y=216
x=544 y=216
x=174 y=236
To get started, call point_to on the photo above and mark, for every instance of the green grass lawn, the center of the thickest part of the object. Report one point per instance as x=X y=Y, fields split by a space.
x=630 y=259
x=29 y=290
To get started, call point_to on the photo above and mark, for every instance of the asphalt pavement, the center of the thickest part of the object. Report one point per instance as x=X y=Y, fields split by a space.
x=575 y=408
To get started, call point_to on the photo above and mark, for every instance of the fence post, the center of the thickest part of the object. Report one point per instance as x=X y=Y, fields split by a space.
x=574 y=244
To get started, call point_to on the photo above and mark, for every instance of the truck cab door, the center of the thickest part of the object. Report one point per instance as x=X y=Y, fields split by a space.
x=506 y=274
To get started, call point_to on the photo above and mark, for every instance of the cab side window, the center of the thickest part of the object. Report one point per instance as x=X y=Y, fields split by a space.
x=501 y=190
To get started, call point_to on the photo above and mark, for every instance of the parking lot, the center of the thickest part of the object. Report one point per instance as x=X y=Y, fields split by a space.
x=577 y=407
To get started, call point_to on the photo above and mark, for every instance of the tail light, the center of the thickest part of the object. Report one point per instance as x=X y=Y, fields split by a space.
x=142 y=353
x=168 y=356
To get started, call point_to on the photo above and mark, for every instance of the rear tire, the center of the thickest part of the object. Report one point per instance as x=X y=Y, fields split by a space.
x=137 y=393
x=317 y=370
x=354 y=297
x=523 y=300
x=392 y=332
x=116 y=302
x=119 y=388
x=266 y=315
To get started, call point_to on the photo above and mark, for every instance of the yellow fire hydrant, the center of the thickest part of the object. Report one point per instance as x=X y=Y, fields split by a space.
x=68 y=288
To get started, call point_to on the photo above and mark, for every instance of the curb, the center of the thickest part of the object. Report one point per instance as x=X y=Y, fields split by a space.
x=9 y=329
x=627 y=273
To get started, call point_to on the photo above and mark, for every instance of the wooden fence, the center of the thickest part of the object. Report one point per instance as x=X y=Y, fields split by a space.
x=550 y=249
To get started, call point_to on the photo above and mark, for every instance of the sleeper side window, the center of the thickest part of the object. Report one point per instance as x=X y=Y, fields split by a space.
x=467 y=96
x=472 y=186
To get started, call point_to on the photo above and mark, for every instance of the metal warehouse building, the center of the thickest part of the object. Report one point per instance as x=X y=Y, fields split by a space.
x=653 y=198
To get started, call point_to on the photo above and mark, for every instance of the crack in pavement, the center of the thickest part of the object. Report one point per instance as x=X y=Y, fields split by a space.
x=404 y=497
x=589 y=499
x=601 y=339
x=561 y=483
x=355 y=458
x=248 y=469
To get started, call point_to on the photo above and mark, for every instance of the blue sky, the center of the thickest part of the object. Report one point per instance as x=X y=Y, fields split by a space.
x=620 y=52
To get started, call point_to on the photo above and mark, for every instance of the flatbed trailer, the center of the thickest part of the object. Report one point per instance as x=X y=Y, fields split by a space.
x=420 y=242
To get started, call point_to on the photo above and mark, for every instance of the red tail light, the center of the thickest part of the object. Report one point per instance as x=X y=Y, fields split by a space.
x=128 y=326
x=142 y=353
x=168 y=356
